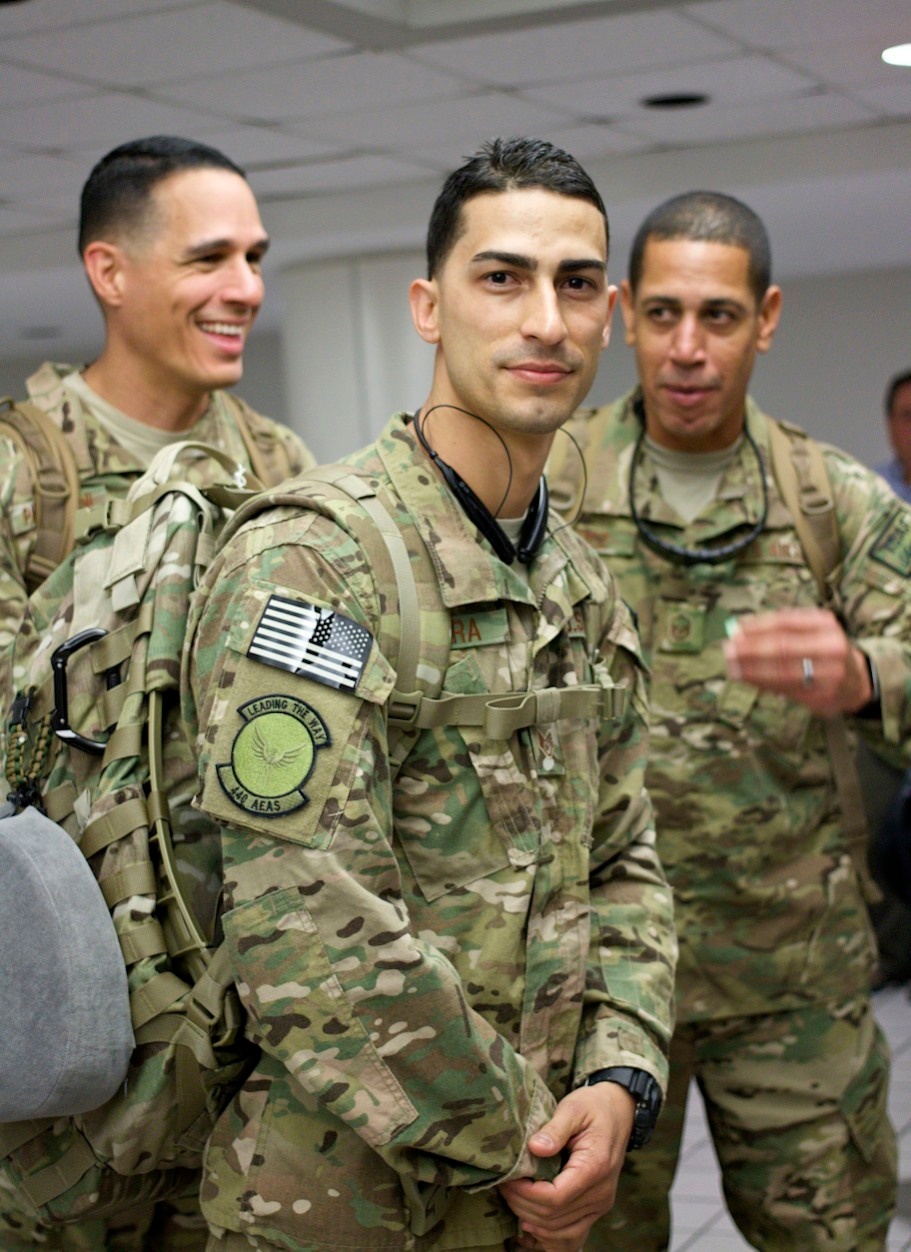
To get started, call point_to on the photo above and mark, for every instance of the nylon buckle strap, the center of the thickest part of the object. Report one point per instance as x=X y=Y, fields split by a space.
x=500 y=716
x=122 y=820
x=133 y=880
x=52 y=1181
x=14 y=1135
x=157 y=996
x=146 y=940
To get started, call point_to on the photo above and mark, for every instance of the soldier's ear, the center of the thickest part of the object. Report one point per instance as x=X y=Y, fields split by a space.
x=628 y=309
x=769 y=317
x=104 y=265
x=425 y=307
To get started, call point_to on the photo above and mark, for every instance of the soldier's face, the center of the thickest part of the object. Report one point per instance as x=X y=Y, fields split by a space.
x=696 y=329
x=191 y=285
x=900 y=427
x=520 y=310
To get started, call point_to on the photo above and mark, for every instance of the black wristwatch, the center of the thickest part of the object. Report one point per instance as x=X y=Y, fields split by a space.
x=643 y=1087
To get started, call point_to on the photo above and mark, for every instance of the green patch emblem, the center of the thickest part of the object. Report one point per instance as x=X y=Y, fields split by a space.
x=273 y=755
x=893 y=547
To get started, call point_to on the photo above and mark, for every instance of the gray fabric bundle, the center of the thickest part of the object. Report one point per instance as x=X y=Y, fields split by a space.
x=65 y=1031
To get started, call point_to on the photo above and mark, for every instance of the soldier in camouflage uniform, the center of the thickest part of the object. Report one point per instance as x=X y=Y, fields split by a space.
x=773 y=1012
x=172 y=243
x=435 y=958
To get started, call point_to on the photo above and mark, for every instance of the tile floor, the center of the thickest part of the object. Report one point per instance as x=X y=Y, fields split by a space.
x=700 y=1220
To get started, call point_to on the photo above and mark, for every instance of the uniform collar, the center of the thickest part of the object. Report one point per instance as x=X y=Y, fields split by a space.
x=469 y=571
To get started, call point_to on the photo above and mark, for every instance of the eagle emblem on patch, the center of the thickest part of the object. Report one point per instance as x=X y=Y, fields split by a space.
x=273 y=755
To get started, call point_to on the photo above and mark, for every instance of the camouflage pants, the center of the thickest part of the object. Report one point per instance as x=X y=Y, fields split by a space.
x=796 y=1105
x=168 y=1226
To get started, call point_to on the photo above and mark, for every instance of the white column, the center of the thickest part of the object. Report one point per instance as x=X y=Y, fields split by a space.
x=351 y=354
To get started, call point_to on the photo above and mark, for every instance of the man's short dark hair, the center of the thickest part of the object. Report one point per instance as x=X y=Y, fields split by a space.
x=709 y=217
x=116 y=194
x=900 y=380
x=504 y=165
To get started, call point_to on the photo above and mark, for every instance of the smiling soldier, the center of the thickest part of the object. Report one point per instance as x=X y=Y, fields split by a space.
x=172 y=244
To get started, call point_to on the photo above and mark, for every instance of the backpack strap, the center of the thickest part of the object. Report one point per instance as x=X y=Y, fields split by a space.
x=55 y=476
x=799 y=469
x=268 y=454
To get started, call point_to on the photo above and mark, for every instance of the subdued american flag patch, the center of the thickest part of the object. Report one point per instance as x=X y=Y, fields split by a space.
x=316 y=642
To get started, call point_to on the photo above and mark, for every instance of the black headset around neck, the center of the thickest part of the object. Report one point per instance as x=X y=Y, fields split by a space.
x=534 y=527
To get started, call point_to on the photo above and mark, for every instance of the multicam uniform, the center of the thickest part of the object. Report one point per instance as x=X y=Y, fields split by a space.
x=773 y=1012
x=106 y=470
x=428 y=962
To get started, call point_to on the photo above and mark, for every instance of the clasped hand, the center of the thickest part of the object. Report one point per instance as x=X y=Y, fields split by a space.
x=592 y=1125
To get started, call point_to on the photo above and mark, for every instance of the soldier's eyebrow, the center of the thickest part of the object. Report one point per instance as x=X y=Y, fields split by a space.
x=518 y=260
x=206 y=246
x=514 y=260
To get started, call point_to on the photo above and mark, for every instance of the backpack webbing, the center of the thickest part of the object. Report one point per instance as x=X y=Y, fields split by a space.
x=799 y=468
x=56 y=484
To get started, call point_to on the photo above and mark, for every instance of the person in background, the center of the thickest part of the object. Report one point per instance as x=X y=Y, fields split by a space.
x=897 y=406
x=172 y=244
x=458 y=966
x=774 y=1019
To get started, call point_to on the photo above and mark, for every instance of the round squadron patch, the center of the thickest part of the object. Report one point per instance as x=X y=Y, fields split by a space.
x=273 y=755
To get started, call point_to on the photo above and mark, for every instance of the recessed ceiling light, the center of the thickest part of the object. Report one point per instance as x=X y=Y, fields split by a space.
x=676 y=100
x=900 y=54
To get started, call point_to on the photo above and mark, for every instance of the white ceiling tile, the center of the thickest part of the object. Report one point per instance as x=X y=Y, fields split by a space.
x=335 y=84
x=205 y=39
x=577 y=49
x=737 y=80
x=849 y=63
x=57 y=14
x=718 y=124
x=247 y=145
x=22 y=86
x=96 y=122
x=252 y=146
x=327 y=176
x=593 y=140
x=784 y=23
x=469 y=119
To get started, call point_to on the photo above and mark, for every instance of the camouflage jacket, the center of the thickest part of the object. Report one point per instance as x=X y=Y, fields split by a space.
x=768 y=906
x=428 y=962
x=105 y=469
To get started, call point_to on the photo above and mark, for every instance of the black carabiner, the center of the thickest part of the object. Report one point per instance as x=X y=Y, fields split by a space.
x=60 y=723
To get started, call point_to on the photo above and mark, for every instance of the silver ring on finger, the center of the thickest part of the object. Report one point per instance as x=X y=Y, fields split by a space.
x=809 y=673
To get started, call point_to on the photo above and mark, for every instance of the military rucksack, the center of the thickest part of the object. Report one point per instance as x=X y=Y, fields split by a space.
x=92 y=729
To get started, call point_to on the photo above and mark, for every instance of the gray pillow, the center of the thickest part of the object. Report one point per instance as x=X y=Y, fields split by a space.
x=65 y=1031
